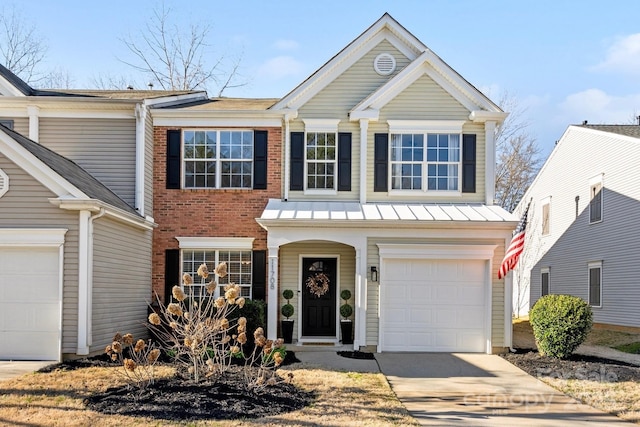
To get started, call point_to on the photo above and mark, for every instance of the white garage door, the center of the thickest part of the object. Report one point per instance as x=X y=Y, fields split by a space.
x=29 y=303
x=433 y=305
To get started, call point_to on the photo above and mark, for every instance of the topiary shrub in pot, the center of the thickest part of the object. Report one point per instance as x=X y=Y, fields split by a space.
x=286 y=325
x=560 y=324
x=346 y=325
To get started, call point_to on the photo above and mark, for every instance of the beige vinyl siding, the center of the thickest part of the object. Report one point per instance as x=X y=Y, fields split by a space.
x=26 y=205
x=121 y=280
x=352 y=86
x=352 y=195
x=20 y=124
x=290 y=276
x=148 y=166
x=106 y=148
x=430 y=197
x=497 y=286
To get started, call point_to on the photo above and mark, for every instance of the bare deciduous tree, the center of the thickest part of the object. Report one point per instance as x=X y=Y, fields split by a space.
x=22 y=48
x=518 y=156
x=176 y=58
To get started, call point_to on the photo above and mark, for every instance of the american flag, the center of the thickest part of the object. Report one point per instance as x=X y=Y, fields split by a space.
x=515 y=247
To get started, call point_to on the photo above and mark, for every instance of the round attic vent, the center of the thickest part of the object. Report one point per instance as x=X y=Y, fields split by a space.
x=384 y=64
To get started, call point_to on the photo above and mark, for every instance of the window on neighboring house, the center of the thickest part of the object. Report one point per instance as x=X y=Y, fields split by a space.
x=595 y=203
x=239 y=268
x=321 y=158
x=7 y=123
x=544 y=280
x=546 y=207
x=595 y=284
x=218 y=158
x=435 y=167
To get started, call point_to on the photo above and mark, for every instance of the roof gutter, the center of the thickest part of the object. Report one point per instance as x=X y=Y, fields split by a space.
x=94 y=206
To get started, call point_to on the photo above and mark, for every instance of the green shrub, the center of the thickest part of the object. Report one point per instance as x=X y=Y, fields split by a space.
x=346 y=311
x=287 y=310
x=560 y=324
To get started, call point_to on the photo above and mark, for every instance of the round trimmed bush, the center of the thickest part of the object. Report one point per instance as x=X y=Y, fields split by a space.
x=560 y=324
x=345 y=294
x=287 y=294
x=346 y=311
x=287 y=310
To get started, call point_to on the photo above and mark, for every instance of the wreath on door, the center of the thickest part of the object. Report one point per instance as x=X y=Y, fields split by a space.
x=318 y=284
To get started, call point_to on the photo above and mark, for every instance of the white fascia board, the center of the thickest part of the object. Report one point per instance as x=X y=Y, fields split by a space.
x=85 y=114
x=436 y=251
x=36 y=168
x=32 y=236
x=251 y=118
x=321 y=125
x=217 y=122
x=245 y=243
x=423 y=126
x=271 y=224
x=385 y=29
x=94 y=206
x=7 y=89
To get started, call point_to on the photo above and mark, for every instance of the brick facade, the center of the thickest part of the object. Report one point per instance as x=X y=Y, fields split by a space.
x=210 y=212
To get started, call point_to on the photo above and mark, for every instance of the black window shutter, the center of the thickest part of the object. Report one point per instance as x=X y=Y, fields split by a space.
x=344 y=161
x=260 y=159
x=469 y=163
x=380 y=162
x=296 y=181
x=171 y=272
x=173 y=159
x=259 y=286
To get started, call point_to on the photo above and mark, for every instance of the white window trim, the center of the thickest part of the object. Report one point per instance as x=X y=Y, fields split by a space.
x=546 y=270
x=217 y=159
x=591 y=265
x=240 y=243
x=424 y=190
x=598 y=179
x=543 y=202
x=4 y=183
x=321 y=126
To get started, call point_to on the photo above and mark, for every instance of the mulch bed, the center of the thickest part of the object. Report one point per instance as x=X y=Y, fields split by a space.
x=575 y=367
x=357 y=355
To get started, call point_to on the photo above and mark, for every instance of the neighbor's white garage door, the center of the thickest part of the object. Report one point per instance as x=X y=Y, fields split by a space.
x=433 y=305
x=29 y=303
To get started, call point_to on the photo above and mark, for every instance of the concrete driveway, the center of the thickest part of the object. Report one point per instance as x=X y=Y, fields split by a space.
x=13 y=368
x=444 y=389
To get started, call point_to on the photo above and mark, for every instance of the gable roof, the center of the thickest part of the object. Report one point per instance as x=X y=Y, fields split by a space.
x=85 y=183
x=422 y=61
x=9 y=80
x=625 y=130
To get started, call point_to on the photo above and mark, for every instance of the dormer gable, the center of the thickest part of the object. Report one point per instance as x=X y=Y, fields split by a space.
x=12 y=85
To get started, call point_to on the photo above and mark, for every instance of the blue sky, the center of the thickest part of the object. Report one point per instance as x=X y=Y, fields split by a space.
x=564 y=61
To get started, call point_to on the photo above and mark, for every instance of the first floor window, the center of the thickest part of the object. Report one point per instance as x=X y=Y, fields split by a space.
x=239 y=269
x=595 y=284
x=218 y=158
x=544 y=279
x=430 y=166
x=321 y=157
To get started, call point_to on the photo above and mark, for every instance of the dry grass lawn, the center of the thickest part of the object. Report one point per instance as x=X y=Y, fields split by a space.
x=621 y=398
x=56 y=399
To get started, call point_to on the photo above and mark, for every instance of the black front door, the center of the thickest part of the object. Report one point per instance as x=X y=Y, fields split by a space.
x=319 y=297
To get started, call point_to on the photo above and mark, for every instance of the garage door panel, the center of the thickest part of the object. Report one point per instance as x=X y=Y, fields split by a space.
x=445 y=303
x=29 y=303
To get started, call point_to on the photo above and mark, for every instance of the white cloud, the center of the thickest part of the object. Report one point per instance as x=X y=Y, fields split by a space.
x=284 y=44
x=598 y=107
x=279 y=67
x=623 y=56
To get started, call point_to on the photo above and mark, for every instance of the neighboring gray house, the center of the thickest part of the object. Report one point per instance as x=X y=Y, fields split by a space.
x=583 y=238
x=75 y=216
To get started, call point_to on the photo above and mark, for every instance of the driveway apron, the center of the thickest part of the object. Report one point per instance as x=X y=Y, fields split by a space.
x=463 y=389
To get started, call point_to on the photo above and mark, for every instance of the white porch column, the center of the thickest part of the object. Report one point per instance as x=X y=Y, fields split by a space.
x=361 y=293
x=364 y=127
x=272 y=294
x=490 y=170
x=34 y=122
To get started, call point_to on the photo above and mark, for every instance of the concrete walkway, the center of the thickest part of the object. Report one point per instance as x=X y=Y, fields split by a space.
x=442 y=389
x=12 y=368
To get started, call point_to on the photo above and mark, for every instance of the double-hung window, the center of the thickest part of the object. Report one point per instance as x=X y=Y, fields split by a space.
x=544 y=281
x=595 y=199
x=218 y=158
x=238 y=268
x=321 y=160
x=595 y=283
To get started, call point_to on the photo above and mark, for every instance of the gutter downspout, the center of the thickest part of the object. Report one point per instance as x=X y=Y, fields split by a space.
x=141 y=120
x=85 y=280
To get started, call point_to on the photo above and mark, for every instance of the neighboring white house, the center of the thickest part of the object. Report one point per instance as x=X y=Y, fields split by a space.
x=583 y=238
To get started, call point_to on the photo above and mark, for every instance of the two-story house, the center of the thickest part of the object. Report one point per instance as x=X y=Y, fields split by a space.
x=584 y=239
x=375 y=174
x=75 y=216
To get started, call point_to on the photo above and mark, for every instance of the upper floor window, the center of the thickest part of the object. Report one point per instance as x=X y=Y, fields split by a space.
x=546 y=216
x=218 y=158
x=321 y=152
x=7 y=123
x=435 y=167
x=595 y=283
x=595 y=199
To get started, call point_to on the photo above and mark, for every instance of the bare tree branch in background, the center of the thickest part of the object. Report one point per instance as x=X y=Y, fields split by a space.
x=106 y=82
x=176 y=58
x=518 y=156
x=56 y=79
x=21 y=47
